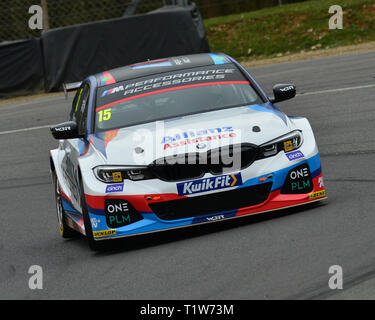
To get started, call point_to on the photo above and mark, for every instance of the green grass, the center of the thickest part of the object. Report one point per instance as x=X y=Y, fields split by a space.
x=290 y=29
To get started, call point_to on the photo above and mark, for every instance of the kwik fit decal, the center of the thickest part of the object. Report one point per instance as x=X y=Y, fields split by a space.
x=209 y=184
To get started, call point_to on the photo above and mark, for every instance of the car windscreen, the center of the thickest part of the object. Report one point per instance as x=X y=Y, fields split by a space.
x=172 y=94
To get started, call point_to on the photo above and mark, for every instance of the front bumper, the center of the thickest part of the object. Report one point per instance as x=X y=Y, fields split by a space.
x=268 y=186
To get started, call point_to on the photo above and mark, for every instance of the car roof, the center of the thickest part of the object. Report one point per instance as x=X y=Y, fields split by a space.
x=160 y=66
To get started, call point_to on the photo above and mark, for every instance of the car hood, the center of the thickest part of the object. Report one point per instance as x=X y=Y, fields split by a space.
x=142 y=144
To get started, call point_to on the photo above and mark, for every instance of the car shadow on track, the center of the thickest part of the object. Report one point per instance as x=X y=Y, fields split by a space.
x=158 y=238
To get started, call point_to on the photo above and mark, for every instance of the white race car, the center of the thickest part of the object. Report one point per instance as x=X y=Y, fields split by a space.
x=176 y=142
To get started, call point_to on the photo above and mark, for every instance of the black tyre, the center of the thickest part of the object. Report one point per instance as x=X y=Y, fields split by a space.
x=93 y=244
x=65 y=230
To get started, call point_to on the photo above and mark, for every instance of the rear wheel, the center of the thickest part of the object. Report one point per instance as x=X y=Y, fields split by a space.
x=65 y=230
x=93 y=244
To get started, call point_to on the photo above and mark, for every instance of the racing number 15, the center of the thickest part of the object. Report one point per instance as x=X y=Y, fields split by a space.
x=104 y=115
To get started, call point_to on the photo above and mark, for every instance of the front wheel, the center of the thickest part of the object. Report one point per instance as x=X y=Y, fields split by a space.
x=65 y=230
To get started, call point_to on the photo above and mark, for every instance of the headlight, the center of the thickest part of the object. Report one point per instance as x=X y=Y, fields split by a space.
x=286 y=143
x=113 y=174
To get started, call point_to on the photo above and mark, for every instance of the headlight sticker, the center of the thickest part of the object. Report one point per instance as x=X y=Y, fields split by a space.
x=288 y=145
x=117 y=176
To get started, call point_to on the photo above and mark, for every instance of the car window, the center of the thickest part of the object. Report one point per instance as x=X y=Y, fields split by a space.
x=80 y=107
x=172 y=94
x=81 y=114
x=76 y=103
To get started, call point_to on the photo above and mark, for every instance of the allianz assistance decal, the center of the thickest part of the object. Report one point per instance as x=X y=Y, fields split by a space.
x=197 y=136
x=209 y=184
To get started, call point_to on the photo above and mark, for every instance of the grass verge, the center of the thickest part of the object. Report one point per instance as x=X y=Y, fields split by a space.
x=293 y=28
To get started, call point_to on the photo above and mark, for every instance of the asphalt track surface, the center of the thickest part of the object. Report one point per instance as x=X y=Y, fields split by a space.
x=279 y=255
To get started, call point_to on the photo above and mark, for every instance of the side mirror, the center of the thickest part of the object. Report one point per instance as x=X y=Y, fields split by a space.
x=283 y=92
x=65 y=130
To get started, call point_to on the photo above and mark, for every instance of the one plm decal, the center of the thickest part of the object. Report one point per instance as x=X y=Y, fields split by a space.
x=209 y=184
x=119 y=187
x=294 y=155
x=298 y=181
x=119 y=213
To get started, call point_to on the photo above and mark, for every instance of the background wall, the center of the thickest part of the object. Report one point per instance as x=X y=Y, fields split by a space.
x=14 y=14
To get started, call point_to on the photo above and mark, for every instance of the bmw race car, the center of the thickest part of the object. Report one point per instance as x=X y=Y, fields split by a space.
x=178 y=142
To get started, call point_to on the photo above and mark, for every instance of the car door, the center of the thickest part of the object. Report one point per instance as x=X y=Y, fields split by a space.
x=72 y=146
